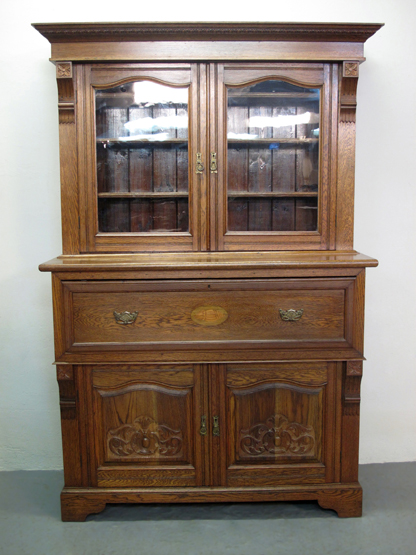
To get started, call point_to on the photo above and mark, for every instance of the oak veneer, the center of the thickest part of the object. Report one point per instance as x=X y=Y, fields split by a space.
x=209 y=305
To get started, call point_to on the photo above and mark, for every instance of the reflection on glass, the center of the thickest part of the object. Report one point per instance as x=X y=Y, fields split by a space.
x=142 y=158
x=273 y=157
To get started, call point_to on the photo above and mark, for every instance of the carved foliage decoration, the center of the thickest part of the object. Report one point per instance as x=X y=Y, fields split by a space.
x=278 y=436
x=144 y=437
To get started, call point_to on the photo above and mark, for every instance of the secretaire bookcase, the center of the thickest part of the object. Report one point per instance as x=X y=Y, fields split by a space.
x=208 y=304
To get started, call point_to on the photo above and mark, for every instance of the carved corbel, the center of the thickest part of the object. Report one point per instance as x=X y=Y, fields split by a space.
x=67 y=395
x=349 y=81
x=352 y=387
x=66 y=94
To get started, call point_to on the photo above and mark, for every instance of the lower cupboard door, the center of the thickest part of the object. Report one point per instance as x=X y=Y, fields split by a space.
x=143 y=426
x=280 y=424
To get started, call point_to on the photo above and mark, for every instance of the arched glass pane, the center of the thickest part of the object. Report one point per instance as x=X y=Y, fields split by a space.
x=142 y=158
x=273 y=157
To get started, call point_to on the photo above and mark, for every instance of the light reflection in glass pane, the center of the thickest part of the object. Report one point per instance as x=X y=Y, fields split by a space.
x=142 y=157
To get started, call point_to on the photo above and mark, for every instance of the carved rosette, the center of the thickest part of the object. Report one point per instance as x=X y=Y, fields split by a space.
x=350 y=69
x=144 y=437
x=66 y=95
x=352 y=388
x=64 y=70
x=355 y=368
x=278 y=436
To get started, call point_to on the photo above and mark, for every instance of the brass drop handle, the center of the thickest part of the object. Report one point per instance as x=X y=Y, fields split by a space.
x=199 y=165
x=216 y=427
x=290 y=315
x=125 y=317
x=203 y=430
x=213 y=164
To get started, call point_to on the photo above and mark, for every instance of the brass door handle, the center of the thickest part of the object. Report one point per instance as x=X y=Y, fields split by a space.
x=203 y=429
x=213 y=164
x=216 y=427
x=291 y=315
x=125 y=317
x=199 y=165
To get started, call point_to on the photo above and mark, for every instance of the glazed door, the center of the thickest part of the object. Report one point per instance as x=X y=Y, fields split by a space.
x=139 y=157
x=145 y=425
x=277 y=424
x=182 y=157
x=272 y=154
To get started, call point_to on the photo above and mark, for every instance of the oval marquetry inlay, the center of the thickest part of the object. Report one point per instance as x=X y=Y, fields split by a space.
x=209 y=315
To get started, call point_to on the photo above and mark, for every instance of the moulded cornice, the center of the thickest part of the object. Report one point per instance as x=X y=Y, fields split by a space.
x=124 y=32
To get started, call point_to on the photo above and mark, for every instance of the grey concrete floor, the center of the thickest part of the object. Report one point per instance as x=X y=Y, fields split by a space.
x=30 y=522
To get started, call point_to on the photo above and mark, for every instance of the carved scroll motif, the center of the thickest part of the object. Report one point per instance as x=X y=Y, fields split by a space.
x=278 y=436
x=144 y=437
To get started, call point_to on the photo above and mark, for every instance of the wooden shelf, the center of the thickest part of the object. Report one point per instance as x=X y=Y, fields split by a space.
x=249 y=95
x=103 y=94
x=274 y=141
x=271 y=194
x=138 y=194
x=126 y=141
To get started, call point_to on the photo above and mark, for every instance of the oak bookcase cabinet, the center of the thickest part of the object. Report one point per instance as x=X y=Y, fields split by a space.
x=208 y=305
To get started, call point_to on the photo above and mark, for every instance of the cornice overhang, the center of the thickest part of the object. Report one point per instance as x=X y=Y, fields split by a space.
x=179 y=31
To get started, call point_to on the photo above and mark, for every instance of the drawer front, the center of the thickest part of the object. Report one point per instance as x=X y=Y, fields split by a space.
x=216 y=314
